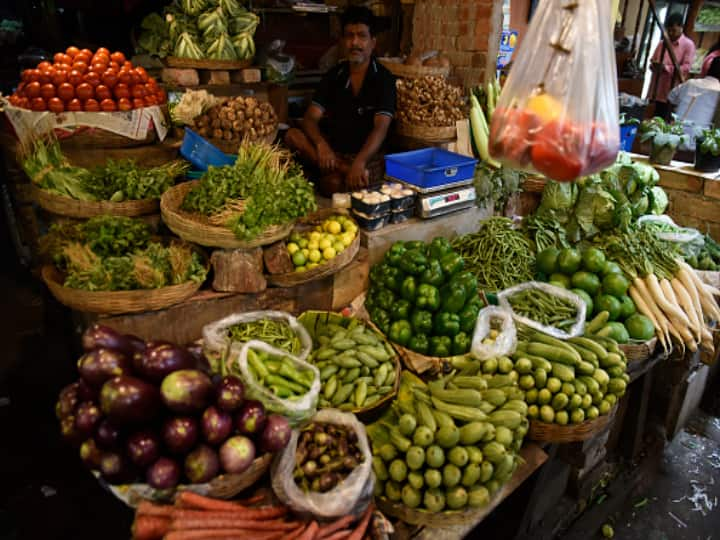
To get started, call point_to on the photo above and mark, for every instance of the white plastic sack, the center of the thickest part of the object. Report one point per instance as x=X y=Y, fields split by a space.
x=684 y=235
x=216 y=341
x=296 y=410
x=576 y=329
x=351 y=496
x=506 y=341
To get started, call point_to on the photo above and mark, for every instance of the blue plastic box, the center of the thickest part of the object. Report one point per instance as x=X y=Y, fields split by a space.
x=627 y=137
x=201 y=153
x=429 y=167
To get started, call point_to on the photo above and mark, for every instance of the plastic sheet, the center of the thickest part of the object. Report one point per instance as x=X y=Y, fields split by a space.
x=506 y=341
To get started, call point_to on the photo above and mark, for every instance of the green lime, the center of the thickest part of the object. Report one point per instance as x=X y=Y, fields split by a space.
x=618 y=332
x=299 y=258
x=640 y=327
x=547 y=260
x=561 y=280
x=627 y=307
x=611 y=268
x=569 y=261
x=410 y=497
x=615 y=284
x=586 y=281
x=562 y=417
x=588 y=302
x=608 y=303
x=457 y=498
x=593 y=260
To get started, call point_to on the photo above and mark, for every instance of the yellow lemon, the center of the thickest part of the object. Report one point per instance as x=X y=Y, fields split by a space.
x=315 y=236
x=314 y=255
x=350 y=227
x=302 y=243
x=347 y=238
x=313 y=244
x=325 y=243
x=329 y=253
x=298 y=258
x=305 y=252
x=312 y=265
x=300 y=269
x=546 y=107
x=318 y=228
x=292 y=247
x=295 y=237
x=334 y=227
x=339 y=247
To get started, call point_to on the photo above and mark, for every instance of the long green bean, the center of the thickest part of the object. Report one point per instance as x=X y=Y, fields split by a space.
x=279 y=334
x=499 y=255
x=544 y=308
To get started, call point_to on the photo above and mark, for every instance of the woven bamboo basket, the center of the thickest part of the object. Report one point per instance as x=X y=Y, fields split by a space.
x=639 y=351
x=414 y=516
x=291 y=279
x=425 y=133
x=189 y=63
x=116 y=302
x=555 y=433
x=310 y=320
x=534 y=184
x=66 y=206
x=198 y=229
x=397 y=68
x=420 y=363
x=231 y=146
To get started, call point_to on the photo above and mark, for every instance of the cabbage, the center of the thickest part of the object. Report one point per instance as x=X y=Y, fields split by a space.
x=595 y=210
x=659 y=200
x=558 y=200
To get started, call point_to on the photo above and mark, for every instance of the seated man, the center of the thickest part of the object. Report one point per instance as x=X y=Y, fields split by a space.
x=346 y=124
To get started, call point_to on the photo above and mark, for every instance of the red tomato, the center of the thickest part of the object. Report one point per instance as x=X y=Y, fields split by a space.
x=127 y=65
x=59 y=78
x=24 y=103
x=142 y=74
x=124 y=104
x=161 y=96
x=27 y=75
x=75 y=77
x=103 y=50
x=92 y=77
x=102 y=92
x=86 y=52
x=91 y=105
x=64 y=59
x=109 y=78
x=150 y=100
x=556 y=152
x=47 y=91
x=46 y=76
x=20 y=90
x=80 y=57
x=511 y=134
x=114 y=66
x=84 y=91
x=38 y=104
x=138 y=91
x=72 y=51
x=34 y=75
x=66 y=91
x=74 y=105
x=32 y=90
x=63 y=67
x=121 y=91
x=14 y=100
x=56 y=105
x=79 y=65
x=118 y=57
x=150 y=88
x=108 y=105
x=42 y=66
x=58 y=58
x=124 y=77
x=138 y=103
x=99 y=67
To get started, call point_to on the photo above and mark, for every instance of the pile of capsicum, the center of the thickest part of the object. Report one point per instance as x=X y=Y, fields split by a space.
x=420 y=297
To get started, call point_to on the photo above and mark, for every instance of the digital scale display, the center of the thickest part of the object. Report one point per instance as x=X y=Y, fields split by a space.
x=452 y=197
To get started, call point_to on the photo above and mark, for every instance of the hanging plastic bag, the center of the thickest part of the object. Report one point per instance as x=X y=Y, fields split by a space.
x=578 y=325
x=493 y=318
x=296 y=409
x=558 y=112
x=351 y=496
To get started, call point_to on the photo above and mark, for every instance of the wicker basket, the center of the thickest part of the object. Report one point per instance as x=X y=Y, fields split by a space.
x=397 y=68
x=637 y=352
x=189 y=63
x=534 y=184
x=425 y=133
x=419 y=363
x=291 y=279
x=197 y=228
x=231 y=146
x=67 y=206
x=310 y=319
x=555 y=433
x=116 y=302
x=414 y=516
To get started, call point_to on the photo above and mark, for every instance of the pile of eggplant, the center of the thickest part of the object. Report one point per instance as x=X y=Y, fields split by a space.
x=151 y=411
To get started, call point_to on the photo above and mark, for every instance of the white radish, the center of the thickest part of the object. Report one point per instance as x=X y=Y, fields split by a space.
x=708 y=303
x=690 y=287
x=673 y=311
x=642 y=305
x=712 y=290
x=659 y=315
x=686 y=302
x=682 y=328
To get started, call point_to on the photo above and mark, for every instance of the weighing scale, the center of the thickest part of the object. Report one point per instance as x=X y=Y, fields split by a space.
x=440 y=200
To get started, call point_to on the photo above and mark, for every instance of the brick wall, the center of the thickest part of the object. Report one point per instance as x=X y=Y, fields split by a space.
x=467 y=31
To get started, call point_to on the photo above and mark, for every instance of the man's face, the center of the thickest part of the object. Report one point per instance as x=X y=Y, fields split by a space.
x=675 y=31
x=358 y=42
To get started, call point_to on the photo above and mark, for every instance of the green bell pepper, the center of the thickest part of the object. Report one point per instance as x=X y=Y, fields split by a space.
x=469 y=281
x=408 y=289
x=417 y=245
x=452 y=263
x=428 y=297
x=384 y=299
x=377 y=272
x=453 y=297
x=419 y=343
x=381 y=318
x=421 y=321
x=413 y=262
x=400 y=310
x=440 y=346
x=433 y=274
x=439 y=247
x=461 y=343
x=392 y=278
x=400 y=332
x=468 y=317
x=395 y=254
x=446 y=324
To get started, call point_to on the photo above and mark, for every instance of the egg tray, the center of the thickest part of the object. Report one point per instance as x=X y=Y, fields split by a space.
x=402 y=203
x=372 y=223
x=372 y=210
x=402 y=215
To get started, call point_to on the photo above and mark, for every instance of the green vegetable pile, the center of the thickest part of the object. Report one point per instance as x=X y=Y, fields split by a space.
x=116 y=181
x=264 y=187
x=449 y=444
x=496 y=185
x=279 y=374
x=702 y=253
x=422 y=299
x=498 y=255
x=200 y=29
x=544 y=308
x=709 y=15
x=117 y=253
x=279 y=334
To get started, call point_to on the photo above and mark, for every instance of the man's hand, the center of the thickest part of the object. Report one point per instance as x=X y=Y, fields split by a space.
x=326 y=157
x=358 y=176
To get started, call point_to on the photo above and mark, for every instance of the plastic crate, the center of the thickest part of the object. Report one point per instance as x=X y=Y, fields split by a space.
x=429 y=167
x=373 y=223
x=201 y=153
x=627 y=137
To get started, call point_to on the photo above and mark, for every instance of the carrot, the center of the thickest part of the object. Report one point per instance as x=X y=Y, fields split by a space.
x=227 y=522
x=359 y=531
x=150 y=527
x=310 y=532
x=295 y=533
x=342 y=523
x=339 y=535
x=205 y=503
x=252 y=500
x=222 y=534
x=259 y=515
x=147 y=508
